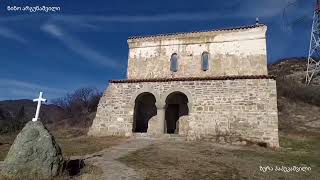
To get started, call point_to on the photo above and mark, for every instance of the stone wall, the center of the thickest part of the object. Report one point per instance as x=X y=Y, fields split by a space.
x=223 y=110
x=236 y=52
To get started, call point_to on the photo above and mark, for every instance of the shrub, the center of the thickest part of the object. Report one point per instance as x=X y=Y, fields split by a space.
x=296 y=91
x=81 y=101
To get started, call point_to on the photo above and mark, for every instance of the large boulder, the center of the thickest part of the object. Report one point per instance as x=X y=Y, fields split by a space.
x=34 y=153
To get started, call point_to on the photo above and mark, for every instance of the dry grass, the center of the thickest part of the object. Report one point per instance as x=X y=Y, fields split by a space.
x=93 y=176
x=204 y=160
x=88 y=172
x=91 y=172
x=73 y=142
x=5 y=143
x=87 y=145
x=298 y=117
x=200 y=160
x=294 y=90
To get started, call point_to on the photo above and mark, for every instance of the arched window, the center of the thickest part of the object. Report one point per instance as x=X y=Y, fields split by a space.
x=205 y=61
x=174 y=62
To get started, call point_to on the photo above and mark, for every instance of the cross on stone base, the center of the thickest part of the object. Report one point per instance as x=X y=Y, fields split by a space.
x=39 y=100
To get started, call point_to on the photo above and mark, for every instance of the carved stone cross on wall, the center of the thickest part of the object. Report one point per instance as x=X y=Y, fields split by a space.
x=40 y=100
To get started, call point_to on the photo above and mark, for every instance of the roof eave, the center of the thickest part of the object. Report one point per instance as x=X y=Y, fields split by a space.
x=133 y=38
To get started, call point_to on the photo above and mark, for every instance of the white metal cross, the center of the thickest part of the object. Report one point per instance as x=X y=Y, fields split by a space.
x=40 y=100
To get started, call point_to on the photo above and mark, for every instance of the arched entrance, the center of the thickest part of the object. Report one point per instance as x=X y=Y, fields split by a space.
x=176 y=106
x=144 y=109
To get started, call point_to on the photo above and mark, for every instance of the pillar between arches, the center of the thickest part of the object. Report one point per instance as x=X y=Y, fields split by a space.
x=161 y=116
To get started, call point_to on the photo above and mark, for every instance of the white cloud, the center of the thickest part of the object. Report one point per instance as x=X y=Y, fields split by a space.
x=78 y=47
x=21 y=89
x=52 y=29
x=248 y=9
x=9 y=34
x=24 y=17
x=260 y=8
x=237 y=9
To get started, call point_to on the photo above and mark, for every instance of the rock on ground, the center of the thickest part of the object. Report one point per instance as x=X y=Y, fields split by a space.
x=34 y=153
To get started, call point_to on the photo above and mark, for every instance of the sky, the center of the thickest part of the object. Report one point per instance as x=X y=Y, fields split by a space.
x=83 y=43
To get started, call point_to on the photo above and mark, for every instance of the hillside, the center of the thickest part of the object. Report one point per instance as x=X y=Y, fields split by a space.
x=298 y=104
x=9 y=110
x=23 y=110
x=287 y=67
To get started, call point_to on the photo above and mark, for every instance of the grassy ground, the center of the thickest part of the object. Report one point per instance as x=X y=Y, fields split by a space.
x=73 y=142
x=197 y=160
x=76 y=143
x=204 y=160
x=5 y=143
x=201 y=160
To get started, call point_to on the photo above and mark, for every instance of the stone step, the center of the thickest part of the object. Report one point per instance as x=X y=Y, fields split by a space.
x=175 y=137
x=172 y=136
x=141 y=135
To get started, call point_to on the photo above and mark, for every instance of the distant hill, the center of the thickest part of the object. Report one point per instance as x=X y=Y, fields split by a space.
x=9 y=110
x=51 y=115
x=288 y=66
x=294 y=68
x=25 y=109
x=298 y=104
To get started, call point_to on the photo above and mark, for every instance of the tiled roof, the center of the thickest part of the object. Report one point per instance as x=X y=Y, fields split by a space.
x=212 y=30
x=193 y=79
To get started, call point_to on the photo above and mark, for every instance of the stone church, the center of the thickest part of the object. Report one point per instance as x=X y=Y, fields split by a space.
x=210 y=85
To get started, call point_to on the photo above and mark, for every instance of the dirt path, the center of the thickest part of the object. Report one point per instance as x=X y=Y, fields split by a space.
x=113 y=169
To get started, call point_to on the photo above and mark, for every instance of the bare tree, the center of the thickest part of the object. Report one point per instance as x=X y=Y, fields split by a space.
x=81 y=101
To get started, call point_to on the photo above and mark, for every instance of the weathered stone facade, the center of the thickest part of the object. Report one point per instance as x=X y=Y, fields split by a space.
x=238 y=108
x=244 y=108
x=232 y=52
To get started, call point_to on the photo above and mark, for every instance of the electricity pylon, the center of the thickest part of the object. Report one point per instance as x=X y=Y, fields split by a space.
x=313 y=66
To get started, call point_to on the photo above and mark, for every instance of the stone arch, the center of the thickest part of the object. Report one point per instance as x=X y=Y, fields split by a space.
x=176 y=107
x=164 y=96
x=144 y=110
x=143 y=90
